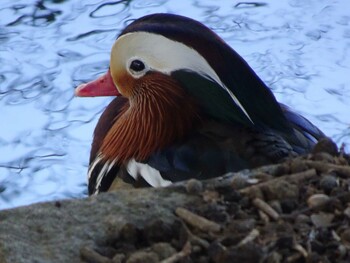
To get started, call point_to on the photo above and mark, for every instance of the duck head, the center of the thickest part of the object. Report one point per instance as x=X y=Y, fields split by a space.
x=174 y=71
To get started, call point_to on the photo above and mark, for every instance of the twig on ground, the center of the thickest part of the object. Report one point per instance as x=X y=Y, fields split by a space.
x=326 y=167
x=266 y=208
x=250 y=237
x=294 y=178
x=195 y=240
x=197 y=221
x=186 y=251
x=301 y=250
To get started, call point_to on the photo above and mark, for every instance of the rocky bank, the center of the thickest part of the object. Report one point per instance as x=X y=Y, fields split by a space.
x=296 y=211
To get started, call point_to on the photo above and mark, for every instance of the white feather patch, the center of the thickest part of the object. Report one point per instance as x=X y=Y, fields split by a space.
x=152 y=176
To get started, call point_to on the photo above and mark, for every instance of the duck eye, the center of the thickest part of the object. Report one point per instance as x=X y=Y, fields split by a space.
x=137 y=65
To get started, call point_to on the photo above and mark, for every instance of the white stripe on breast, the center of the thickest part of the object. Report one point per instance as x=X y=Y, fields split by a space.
x=152 y=176
x=103 y=172
x=93 y=165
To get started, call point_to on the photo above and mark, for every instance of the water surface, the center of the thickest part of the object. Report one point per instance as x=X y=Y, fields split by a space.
x=301 y=49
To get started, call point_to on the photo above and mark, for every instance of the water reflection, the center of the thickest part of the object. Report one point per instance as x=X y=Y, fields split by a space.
x=110 y=9
x=49 y=47
x=40 y=15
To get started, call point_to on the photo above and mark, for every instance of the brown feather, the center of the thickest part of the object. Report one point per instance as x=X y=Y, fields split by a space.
x=160 y=112
x=105 y=122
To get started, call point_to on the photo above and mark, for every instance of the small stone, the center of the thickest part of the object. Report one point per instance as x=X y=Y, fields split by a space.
x=340 y=160
x=163 y=250
x=322 y=219
x=118 y=258
x=324 y=157
x=302 y=219
x=274 y=257
x=255 y=192
x=345 y=236
x=282 y=169
x=275 y=204
x=211 y=196
x=90 y=255
x=342 y=250
x=326 y=145
x=239 y=181
x=347 y=212
x=317 y=200
x=261 y=177
x=196 y=249
x=297 y=166
x=280 y=190
x=194 y=186
x=328 y=183
x=142 y=257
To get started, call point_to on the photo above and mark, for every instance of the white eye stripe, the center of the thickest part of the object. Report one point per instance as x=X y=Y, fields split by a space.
x=160 y=53
x=164 y=55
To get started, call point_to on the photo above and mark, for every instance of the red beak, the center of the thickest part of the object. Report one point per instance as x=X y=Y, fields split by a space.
x=103 y=86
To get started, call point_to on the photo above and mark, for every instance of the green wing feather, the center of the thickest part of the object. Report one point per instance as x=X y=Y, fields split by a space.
x=214 y=100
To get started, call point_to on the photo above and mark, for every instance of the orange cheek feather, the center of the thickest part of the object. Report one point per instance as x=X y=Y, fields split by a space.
x=125 y=83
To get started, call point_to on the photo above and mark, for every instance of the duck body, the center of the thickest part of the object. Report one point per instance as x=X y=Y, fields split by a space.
x=191 y=107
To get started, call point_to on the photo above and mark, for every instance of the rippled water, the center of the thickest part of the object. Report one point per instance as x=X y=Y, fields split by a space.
x=300 y=48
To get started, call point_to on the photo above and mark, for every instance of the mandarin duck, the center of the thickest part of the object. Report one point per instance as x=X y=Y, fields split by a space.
x=187 y=106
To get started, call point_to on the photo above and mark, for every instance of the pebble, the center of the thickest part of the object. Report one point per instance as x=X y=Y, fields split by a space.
x=239 y=182
x=297 y=166
x=274 y=257
x=317 y=200
x=281 y=170
x=142 y=257
x=345 y=236
x=328 y=183
x=163 y=250
x=301 y=219
x=280 y=190
x=324 y=157
x=275 y=204
x=342 y=250
x=118 y=258
x=347 y=212
x=326 y=145
x=194 y=186
x=322 y=219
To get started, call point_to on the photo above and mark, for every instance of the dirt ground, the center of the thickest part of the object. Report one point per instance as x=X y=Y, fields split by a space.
x=297 y=211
